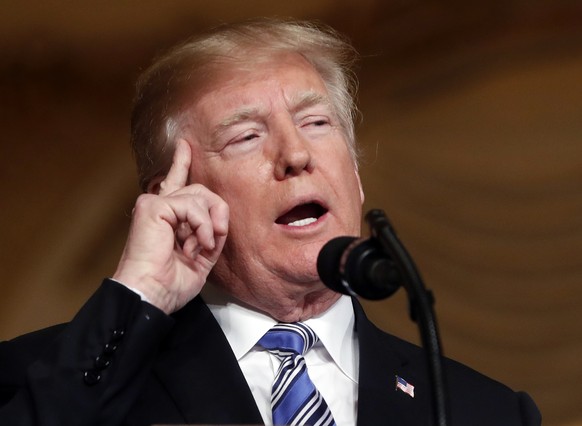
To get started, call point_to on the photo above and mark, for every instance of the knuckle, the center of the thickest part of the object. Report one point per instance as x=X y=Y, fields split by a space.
x=164 y=185
x=143 y=202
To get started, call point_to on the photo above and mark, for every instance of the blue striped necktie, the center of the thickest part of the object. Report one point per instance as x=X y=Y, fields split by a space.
x=294 y=398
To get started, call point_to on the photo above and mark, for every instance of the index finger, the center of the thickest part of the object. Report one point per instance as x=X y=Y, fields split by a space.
x=177 y=176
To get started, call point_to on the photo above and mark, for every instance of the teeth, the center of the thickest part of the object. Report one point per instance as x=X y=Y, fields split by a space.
x=303 y=222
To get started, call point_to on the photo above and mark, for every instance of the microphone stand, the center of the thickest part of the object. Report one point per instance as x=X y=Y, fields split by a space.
x=421 y=303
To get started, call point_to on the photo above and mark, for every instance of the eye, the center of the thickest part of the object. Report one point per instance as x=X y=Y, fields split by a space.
x=249 y=137
x=320 y=122
x=315 y=121
x=243 y=141
x=244 y=137
x=316 y=126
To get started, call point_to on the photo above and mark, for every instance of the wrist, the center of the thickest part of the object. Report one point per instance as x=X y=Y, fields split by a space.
x=150 y=291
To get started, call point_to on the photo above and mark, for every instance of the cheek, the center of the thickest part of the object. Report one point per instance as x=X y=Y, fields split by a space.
x=344 y=170
x=245 y=196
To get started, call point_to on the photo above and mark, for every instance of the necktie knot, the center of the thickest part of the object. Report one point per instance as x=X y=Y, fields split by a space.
x=288 y=339
x=294 y=398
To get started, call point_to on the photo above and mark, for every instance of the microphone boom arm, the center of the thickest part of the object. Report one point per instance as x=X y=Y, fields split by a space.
x=421 y=303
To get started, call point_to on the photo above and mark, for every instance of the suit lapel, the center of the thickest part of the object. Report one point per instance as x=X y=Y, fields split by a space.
x=382 y=358
x=201 y=373
x=202 y=376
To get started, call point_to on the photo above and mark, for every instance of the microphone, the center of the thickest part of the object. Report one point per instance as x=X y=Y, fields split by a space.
x=358 y=266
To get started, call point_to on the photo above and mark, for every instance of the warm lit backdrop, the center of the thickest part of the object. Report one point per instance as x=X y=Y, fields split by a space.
x=472 y=143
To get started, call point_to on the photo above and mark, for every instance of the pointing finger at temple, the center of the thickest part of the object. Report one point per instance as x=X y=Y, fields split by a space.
x=177 y=176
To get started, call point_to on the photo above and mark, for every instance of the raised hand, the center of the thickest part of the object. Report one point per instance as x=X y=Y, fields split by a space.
x=175 y=238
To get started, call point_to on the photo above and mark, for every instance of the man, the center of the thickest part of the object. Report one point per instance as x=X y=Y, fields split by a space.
x=245 y=148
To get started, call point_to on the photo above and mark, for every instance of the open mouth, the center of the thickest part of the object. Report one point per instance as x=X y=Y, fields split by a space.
x=302 y=215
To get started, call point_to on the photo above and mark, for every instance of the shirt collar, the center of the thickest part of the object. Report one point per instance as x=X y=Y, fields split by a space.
x=335 y=329
x=244 y=326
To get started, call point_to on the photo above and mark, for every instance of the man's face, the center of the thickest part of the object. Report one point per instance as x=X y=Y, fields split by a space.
x=265 y=138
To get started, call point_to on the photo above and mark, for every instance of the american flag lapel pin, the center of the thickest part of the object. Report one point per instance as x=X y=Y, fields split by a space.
x=404 y=386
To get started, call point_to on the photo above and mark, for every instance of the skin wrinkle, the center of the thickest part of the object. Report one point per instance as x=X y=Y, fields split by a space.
x=298 y=104
x=245 y=114
x=263 y=264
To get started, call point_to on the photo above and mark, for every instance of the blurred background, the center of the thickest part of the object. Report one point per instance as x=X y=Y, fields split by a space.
x=471 y=137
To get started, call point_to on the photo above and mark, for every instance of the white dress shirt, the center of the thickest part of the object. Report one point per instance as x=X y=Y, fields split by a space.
x=332 y=363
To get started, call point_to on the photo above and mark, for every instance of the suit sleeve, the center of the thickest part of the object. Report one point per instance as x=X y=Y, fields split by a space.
x=478 y=399
x=529 y=411
x=91 y=371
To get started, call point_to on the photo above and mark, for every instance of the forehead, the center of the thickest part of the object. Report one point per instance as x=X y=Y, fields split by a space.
x=286 y=77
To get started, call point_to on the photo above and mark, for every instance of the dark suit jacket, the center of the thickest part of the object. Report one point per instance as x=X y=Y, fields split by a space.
x=123 y=362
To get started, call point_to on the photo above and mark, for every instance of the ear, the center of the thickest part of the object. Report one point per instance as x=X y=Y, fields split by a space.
x=154 y=185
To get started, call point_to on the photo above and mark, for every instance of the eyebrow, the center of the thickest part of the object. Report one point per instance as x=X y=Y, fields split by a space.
x=239 y=116
x=298 y=103
x=308 y=99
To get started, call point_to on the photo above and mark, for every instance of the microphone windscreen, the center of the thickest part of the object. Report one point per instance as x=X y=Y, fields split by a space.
x=329 y=262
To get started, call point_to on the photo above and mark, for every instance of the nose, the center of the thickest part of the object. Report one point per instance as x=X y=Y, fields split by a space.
x=293 y=154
